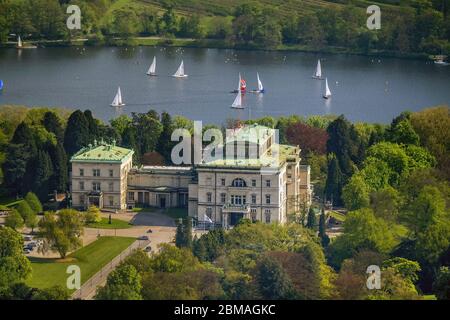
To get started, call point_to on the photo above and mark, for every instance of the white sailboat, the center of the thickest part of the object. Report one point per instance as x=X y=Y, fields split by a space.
x=260 y=85
x=117 y=102
x=318 y=74
x=180 y=71
x=237 y=103
x=152 y=70
x=327 y=90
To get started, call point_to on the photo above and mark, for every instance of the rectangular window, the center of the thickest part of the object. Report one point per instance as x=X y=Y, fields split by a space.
x=208 y=181
x=81 y=172
x=111 y=201
x=131 y=196
x=111 y=173
x=111 y=186
x=267 y=198
x=267 y=214
x=222 y=182
x=253 y=183
x=96 y=172
x=253 y=212
x=268 y=183
x=96 y=186
x=209 y=197
x=253 y=198
x=82 y=199
x=208 y=211
x=223 y=197
x=82 y=185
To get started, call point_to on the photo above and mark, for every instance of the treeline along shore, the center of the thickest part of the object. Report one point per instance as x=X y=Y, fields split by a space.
x=414 y=30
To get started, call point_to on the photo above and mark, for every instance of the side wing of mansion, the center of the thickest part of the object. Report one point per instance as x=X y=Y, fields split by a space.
x=258 y=179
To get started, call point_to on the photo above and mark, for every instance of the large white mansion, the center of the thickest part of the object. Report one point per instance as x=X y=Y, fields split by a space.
x=265 y=181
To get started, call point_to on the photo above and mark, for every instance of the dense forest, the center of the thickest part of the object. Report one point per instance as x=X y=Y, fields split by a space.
x=392 y=179
x=407 y=27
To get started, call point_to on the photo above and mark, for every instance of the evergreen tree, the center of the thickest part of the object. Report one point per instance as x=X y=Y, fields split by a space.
x=93 y=127
x=180 y=234
x=77 y=133
x=52 y=124
x=164 y=146
x=311 y=220
x=59 y=179
x=43 y=172
x=188 y=233
x=334 y=183
x=345 y=144
x=24 y=135
x=15 y=167
x=324 y=239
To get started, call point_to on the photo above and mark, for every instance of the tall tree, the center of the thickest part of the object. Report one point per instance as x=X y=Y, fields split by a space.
x=52 y=123
x=61 y=233
x=165 y=144
x=59 y=179
x=42 y=174
x=311 y=220
x=14 y=266
x=77 y=133
x=272 y=281
x=334 y=183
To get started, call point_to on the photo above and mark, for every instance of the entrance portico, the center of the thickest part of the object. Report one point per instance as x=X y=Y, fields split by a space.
x=233 y=213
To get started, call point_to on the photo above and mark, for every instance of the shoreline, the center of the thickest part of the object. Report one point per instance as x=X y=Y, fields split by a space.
x=217 y=44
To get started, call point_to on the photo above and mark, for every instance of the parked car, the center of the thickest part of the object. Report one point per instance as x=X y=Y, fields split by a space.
x=27 y=238
x=149 y=231
x=143 y=238
x=26 y=251
x=32 y=244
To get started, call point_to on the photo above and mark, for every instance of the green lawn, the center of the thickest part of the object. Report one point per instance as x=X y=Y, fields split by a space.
x=115 y=224
x=338 y=216
x=90 y=259
x=9 y=201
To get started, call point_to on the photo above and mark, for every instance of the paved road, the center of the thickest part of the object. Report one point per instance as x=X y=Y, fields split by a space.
x=152 y=219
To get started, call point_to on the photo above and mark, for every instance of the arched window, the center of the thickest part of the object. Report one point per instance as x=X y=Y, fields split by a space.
x=239 y=183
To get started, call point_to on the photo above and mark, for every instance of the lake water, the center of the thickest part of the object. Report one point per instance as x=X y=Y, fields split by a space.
x=364 y=88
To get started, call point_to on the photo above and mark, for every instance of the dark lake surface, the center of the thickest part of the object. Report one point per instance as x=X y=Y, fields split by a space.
x=363 y=88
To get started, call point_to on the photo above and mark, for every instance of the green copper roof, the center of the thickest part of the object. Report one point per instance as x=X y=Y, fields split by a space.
x=102 y=152
x=254 y=133
x=284 y=153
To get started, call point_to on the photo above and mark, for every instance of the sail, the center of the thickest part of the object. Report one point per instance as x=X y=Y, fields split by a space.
x=119 y=96
x=152 y=69
x=117 y=99
x=19 y=42
x=260 y=85
x=327 y=89
x=318 y=73
x=237 y=101
x=180 y=71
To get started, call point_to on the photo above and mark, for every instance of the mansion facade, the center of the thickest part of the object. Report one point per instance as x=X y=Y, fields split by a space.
x=258 y=179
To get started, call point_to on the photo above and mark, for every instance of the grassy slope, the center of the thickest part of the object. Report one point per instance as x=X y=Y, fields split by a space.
x=115 y=224
x=208 y=8
x=90 y=259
